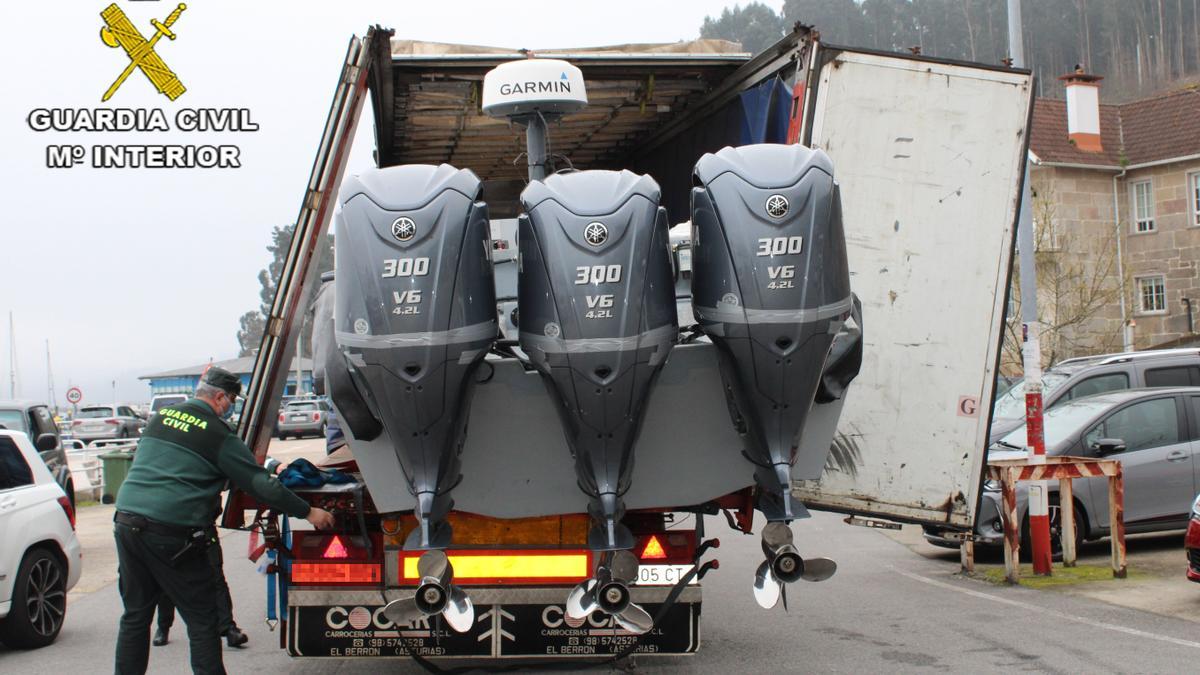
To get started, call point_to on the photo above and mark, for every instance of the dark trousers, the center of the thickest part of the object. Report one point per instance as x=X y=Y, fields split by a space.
x=166 y=608
x=145 y=573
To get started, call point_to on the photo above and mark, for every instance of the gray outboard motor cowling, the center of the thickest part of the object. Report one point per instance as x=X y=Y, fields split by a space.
x=415 y=316
x=597 y=305
x=771 y=288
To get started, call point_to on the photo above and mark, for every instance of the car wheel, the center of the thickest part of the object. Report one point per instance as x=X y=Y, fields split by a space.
x=324 y=428
x=1056 y=552
x=39 y=602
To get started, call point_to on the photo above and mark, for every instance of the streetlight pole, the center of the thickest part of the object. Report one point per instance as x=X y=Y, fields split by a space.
x=1031 y=353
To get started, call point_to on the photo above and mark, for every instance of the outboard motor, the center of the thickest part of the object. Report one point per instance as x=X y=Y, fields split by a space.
x=415 y=316
x=597 y=306
x=771 y=288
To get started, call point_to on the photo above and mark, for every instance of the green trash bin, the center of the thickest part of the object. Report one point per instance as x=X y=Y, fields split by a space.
x=116 y=468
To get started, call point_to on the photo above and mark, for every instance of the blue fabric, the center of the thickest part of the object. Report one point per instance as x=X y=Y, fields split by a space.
x=303 y=473
x=765 y=110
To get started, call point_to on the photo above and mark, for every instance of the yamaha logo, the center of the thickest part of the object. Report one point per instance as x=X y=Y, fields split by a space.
x=403 y=228
x=777 y=206
x=595 y=233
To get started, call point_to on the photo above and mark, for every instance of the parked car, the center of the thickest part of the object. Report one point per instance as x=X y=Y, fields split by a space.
x=1154 y=432
x=40 y=559
x=34 y=420
x=161 y=401
x=1076 y=378
x=301 y=417
x=96 y=422
x=1192 y=542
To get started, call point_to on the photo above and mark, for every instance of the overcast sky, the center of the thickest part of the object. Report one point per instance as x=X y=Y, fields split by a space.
x=127 y=272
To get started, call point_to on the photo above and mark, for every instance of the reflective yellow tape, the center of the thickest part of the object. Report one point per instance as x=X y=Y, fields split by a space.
x=511 y=566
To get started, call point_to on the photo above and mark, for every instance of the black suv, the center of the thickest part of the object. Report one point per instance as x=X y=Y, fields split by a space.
x=35 y=420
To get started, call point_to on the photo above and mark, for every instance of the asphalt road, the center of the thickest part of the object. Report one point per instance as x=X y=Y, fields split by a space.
x=887 y=610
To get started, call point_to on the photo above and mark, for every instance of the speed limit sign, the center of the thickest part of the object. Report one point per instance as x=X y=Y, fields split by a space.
x=74 y=395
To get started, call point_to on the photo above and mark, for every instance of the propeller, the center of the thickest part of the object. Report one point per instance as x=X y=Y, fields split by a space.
x=784 y=566
x=437 y=594
x=608 y=592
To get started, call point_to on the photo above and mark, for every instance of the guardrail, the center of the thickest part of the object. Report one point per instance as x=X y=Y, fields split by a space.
x=87 y=471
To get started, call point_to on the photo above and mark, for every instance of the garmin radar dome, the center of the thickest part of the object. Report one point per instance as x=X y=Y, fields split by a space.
x=531 y=86
x=530 y=92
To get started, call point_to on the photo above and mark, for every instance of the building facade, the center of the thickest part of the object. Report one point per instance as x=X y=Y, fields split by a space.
x=1116 y=212
x=184 y=380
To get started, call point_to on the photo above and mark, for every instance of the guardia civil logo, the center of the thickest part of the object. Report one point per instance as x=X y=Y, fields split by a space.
x=119 y=32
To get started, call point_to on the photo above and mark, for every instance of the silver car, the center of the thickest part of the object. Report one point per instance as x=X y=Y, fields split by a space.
x=1154 y=432
x=96 y=422
x=300 y=418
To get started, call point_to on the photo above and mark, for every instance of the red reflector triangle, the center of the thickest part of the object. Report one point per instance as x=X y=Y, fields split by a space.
x=336 y=549
x=654 y=550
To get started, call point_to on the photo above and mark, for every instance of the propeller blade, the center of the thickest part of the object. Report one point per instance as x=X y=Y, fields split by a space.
x=818 y=569
x=635 y=619
x=582 y=601
x=434 y=564
x=403 y=612
x=459 y=612
x=775 y=536
x=624 y=566
x=766 y=587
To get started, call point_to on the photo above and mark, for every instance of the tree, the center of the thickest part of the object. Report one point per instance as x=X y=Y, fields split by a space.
x=1078 y=288
x=755 y=26
x=253 y=323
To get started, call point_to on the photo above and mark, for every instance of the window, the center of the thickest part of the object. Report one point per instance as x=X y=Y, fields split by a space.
x=95 y=413
x=1152 y=295
x=1146 y=424
x=1193 y=182
x=1097 y=385
x=1175 y=376
x=14 y=471
x=14 y=420
x=1143 y=206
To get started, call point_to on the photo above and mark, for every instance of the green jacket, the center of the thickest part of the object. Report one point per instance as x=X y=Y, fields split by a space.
x=183 y=461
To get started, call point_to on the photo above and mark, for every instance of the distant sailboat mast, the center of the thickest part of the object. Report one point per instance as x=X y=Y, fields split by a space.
x=50 y=380
x=12 y=358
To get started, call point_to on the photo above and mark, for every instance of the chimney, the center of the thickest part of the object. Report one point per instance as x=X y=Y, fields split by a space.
x=1083 y=109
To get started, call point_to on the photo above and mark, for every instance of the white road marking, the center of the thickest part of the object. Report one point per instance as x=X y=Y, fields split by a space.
x=1042 y=610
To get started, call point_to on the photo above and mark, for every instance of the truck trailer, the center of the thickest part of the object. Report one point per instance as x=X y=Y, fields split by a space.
x=591 y=302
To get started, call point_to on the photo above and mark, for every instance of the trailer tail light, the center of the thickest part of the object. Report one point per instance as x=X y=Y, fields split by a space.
x=335 y=559
x=653 y=550
x=336 y=573
x=65 y=503
x=525 y=567
x=336 y=549
x=670 y=547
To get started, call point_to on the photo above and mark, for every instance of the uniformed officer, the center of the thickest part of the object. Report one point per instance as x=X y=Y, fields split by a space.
x=164 y=519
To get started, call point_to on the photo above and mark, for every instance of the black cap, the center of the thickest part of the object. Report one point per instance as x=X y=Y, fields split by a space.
x=223 y=379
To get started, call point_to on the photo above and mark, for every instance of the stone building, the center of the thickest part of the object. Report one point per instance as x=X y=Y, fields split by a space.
x=1117 y=219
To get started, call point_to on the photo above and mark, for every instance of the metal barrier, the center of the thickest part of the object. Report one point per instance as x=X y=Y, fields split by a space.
x=1063 y=469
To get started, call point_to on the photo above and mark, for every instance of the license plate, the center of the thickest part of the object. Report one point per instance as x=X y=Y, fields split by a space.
x=663 y=575
x=500 y=631
x=299 y=418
